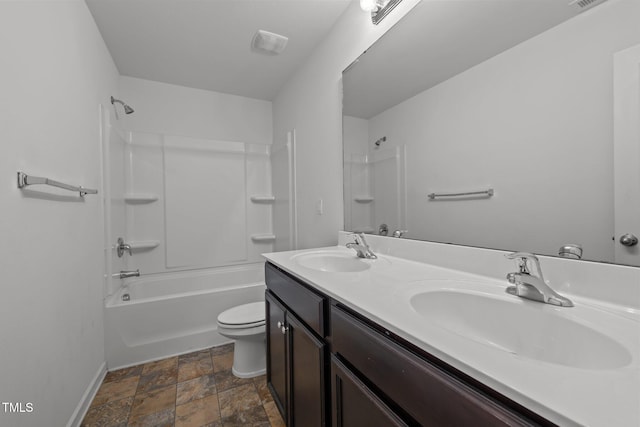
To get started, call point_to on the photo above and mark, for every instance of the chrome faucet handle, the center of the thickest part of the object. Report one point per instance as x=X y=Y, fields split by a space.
x=122 y=247
x=357 y=236
x=522 y=259
x=399 y=233
x=530 y=286
x=361 y=246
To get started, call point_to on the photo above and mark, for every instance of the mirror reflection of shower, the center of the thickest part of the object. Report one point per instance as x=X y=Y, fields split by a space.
x=127 y=109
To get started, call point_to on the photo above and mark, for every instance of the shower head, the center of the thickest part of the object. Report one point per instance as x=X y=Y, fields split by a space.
x=380 y=141
x=127 y=109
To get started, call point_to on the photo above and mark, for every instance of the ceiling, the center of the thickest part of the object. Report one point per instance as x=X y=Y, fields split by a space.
x=205 y=44
x=439 y=39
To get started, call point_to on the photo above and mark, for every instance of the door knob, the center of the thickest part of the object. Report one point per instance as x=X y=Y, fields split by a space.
x=628 y=239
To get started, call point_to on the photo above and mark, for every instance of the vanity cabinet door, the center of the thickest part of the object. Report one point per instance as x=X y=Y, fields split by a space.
x=306 y=366
x=427 y=393
x=354 y=405
x=276 y=353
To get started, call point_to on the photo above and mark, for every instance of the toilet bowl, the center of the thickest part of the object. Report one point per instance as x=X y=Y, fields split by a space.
x=245 y=325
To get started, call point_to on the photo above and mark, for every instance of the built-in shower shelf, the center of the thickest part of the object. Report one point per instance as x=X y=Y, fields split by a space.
x=144 y=245
x=263 y=238
x=140 y=198
x=363 y=199
x=263 y=199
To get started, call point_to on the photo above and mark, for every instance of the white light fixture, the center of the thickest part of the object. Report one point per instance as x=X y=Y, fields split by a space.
x=368 y=5
x=269 y=43
x=378 y=8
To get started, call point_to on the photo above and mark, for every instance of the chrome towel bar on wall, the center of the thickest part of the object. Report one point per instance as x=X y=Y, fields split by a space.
x=486 y=193
x=25 y=180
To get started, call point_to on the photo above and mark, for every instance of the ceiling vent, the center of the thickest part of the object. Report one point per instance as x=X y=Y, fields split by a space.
x=269 y=43
x=584 y=4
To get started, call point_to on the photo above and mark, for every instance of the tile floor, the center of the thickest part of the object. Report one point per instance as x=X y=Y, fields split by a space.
x=194 y=390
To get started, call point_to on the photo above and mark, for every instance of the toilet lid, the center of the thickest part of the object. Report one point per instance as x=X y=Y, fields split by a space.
x=251 y=314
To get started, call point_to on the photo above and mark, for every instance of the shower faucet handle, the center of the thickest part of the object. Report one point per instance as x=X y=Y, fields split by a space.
x=122 y=247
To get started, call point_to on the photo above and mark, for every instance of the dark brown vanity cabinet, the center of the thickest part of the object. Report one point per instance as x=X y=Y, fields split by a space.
x=369 y=377
x=296 y=350
x=372 y=372
x=354 y=404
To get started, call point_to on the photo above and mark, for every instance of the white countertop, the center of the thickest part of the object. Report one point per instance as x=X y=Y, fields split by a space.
x=565 y=395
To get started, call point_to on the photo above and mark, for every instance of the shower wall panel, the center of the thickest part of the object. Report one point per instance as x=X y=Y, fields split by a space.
x=189 y=202
x=205 y=202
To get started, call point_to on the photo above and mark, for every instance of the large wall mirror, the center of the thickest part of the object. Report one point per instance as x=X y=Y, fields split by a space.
x=512 y=100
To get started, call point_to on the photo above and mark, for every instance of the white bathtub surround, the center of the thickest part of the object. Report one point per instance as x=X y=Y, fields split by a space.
x=197 y=212
x=182 y=194
x=600 y=386
x=175 y=313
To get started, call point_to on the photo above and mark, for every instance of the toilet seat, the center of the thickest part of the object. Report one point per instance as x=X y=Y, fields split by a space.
x=243 y=316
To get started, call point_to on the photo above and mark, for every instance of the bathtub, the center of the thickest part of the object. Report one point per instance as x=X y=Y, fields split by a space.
x=173 y=313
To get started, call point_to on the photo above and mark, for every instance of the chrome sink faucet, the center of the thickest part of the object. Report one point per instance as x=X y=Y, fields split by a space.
x=530 y=286
x=361 y=247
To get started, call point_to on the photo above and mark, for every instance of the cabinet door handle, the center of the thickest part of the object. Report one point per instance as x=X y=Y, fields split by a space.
x=282 y=326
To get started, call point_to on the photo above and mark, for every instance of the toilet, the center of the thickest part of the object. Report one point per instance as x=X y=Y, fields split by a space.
x=245 y=325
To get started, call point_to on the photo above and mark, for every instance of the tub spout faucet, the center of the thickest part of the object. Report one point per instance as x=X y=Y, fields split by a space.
x=124 y=274
x=530 y=286
x=361 y=247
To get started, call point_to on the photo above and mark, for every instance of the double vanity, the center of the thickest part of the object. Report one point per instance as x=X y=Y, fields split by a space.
x=427 y=334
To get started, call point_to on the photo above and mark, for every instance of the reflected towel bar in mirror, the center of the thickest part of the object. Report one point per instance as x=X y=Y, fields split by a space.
x=25 y=180
x=487 y=193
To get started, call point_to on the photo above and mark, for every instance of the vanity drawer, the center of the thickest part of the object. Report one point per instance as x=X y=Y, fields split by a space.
x=429 y=395
x=306 y=304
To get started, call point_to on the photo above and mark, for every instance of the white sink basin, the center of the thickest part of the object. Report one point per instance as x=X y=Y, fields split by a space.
x=332 y=262
x=524 y=328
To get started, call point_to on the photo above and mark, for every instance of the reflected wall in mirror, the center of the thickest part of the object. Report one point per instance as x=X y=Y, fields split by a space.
x=514 y=96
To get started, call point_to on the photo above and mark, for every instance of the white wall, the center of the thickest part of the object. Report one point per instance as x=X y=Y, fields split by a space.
x=178 y=110
x=56 y=71
x=534 y=123
x=311 y=103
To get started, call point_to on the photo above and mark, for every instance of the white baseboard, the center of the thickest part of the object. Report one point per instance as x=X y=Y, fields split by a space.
x=87 y=397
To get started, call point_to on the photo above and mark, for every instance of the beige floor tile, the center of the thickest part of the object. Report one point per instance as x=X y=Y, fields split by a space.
x=154 y=401
x=222 y=362
x=123 y=373
x=194 y=365
x=263 y=391
x=195 y=389
x=198 y=412
x=160 y=365
x=115 y=390
x=238 y=399
x=274 y=415
x=252 y=417
x=112 y=414
x=164 y=418
x=223 y=349
x=225 y=380
x=158 y=375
